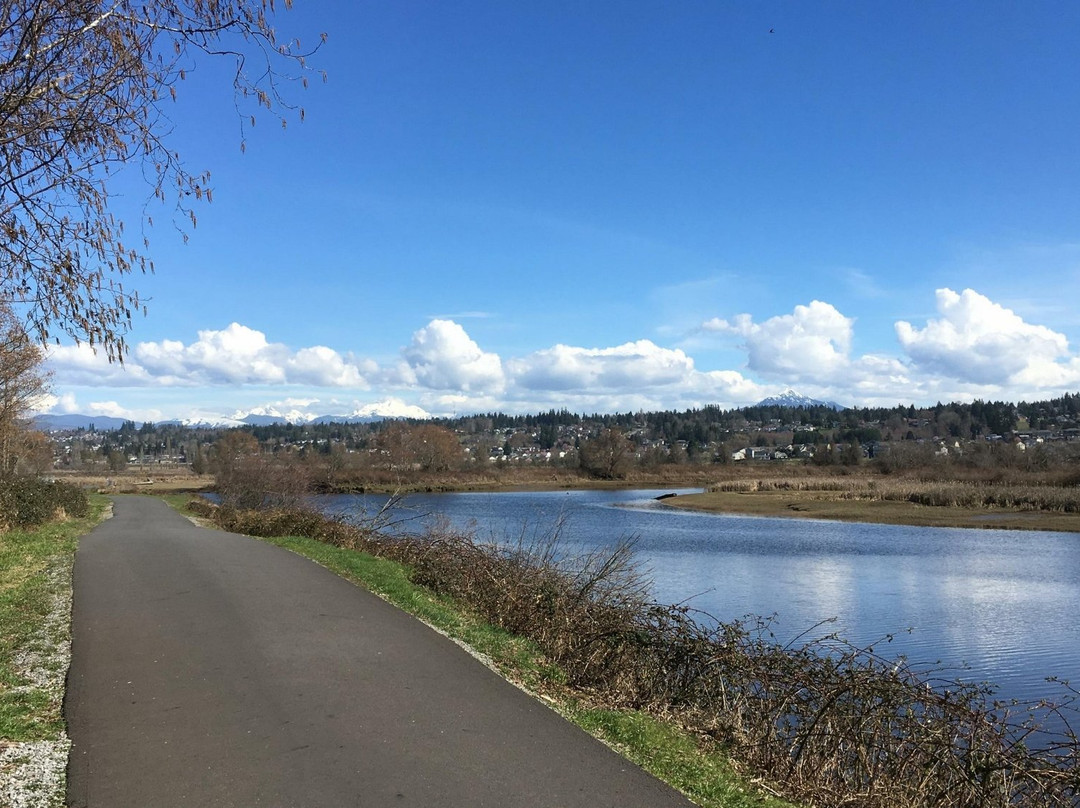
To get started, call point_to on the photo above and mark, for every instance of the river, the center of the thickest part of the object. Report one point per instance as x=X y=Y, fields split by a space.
x=1002 y=604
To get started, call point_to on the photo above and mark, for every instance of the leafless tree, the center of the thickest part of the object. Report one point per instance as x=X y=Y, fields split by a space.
x=608 y=455
x=246 y=478
x=427 y=447
x=83 y=85
x=22 y=383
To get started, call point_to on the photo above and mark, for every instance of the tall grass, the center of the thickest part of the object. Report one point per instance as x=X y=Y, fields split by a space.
x=955 y=493
x=827 y=722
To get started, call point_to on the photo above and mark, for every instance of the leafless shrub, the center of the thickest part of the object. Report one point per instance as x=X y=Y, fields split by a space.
x=247 y=479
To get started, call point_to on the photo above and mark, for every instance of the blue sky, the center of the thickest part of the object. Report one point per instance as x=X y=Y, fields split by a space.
x=619 y=206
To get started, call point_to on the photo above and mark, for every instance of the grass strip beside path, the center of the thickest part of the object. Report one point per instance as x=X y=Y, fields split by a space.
x=35 y=651
x=706 y=776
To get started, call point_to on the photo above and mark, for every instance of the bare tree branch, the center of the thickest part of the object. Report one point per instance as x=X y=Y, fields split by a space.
x=82 y=84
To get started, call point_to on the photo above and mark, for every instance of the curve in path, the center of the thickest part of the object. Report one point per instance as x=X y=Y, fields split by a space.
x=211 y=669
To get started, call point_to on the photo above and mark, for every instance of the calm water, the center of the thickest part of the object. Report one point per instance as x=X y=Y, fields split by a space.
x=1003 y=603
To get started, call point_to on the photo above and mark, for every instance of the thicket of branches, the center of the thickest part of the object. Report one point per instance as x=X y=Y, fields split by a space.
x=82 y=90
x=247 y=479
x=22 y=382
x=28 y=501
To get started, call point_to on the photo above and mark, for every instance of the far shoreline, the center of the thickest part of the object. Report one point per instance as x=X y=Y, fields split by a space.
x=789 y=504
x=803 y=505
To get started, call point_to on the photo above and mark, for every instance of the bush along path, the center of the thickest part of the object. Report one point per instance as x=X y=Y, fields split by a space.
x=35 y=623
x=824 y=722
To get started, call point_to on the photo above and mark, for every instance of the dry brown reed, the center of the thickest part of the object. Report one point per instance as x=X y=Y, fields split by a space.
x=955 y=493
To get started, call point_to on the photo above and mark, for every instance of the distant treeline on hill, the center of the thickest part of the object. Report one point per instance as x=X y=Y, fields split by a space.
x=711 y=424
x=560 y=431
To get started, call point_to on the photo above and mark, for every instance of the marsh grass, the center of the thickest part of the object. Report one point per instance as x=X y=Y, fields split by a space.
x=1022 y=496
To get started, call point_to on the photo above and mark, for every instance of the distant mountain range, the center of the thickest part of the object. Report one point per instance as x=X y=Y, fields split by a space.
x=100 y=422
x=382 y=410
x=261 y=416
x=103 y=423
x=789 y=398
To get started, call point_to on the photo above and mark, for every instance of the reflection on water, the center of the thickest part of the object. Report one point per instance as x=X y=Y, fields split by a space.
x=1003 y=602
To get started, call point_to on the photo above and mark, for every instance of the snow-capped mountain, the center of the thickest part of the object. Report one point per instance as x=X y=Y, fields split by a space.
x=391 y=408
x=207 y=422
x=790 y=398
x=259 y=416
x=388 y=408
x=266 y=416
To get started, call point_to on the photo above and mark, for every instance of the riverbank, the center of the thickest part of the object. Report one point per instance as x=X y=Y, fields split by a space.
x=808 y=494
x=690 y=761
x=750 y=490
x=825 y=721
x=535 y=478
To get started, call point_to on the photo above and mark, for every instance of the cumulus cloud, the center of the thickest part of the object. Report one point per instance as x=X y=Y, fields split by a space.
x=234 y=355
x=632 y=365
x=82 y=365
x=972 y=348
x=442 y=356
x=323 y=367
x=58 y=405
x=230 y=356
x=979 y=341
x=811 y=348
x=113 y=409
x=810 y=343
x=636 y=375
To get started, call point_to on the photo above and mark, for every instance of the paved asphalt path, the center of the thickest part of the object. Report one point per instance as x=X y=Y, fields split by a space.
x=211 y=669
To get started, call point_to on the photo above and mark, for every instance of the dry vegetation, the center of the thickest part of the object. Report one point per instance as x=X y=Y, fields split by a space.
x=1028 y=496
x=1040 y=501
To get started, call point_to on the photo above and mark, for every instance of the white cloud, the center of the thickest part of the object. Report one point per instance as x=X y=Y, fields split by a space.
x=978 y=341
x=633 y=376
x=113 y=409
x=973 y=348
x=83 y=366
x=230 y=356
x=810 y=343
x=630 y=366
x=727 y=386
x=442 y=356
x=234 y=355
x=323 y=367
x=57 y=405
x=811 y=348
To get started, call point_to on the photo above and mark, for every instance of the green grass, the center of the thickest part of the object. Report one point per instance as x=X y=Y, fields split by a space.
x=35 y=569
x=705 y=775
x=674 y=757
